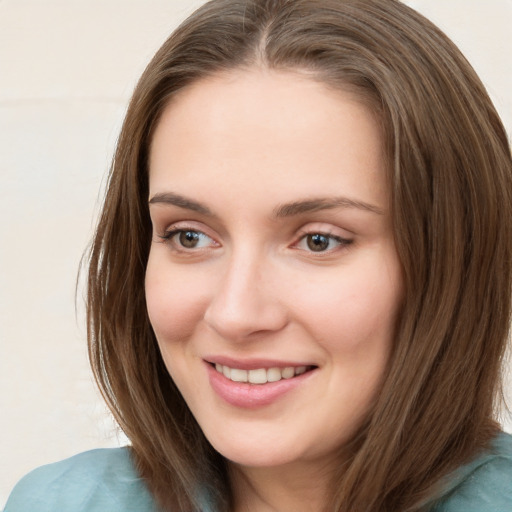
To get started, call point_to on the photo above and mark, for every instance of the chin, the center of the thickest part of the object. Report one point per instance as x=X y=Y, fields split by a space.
x=266 y=450
x=258 y=458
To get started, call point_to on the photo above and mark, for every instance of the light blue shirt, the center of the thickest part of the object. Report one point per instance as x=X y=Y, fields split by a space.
x=95 y=481
x=106 y=481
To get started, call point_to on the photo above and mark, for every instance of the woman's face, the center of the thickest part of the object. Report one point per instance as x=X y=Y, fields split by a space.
x=272 y=262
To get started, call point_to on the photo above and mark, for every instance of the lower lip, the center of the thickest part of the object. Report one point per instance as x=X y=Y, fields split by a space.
x=252 y=396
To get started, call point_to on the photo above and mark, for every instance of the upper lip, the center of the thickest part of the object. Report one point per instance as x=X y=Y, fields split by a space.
x=254 y=363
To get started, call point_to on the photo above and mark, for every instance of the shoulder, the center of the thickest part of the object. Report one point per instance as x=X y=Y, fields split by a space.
x=483 y=485
x=92 y=481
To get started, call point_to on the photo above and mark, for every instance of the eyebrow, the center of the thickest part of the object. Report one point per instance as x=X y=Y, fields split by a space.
x=323 y=203
x=285 y=210
x=181 y=201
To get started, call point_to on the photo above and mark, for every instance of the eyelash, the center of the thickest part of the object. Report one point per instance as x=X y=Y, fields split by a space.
x=169 y=235
x=342 y=242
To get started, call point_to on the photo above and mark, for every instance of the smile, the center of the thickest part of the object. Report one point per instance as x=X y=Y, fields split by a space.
x=260 y=375
x=256 y=384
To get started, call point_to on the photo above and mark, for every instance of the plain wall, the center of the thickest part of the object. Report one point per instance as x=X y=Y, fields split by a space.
x=67 y=68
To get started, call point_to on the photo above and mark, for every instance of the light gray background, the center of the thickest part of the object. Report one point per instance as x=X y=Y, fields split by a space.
x=67 y=68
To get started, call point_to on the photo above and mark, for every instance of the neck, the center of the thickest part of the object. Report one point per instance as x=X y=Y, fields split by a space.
x=298 y=487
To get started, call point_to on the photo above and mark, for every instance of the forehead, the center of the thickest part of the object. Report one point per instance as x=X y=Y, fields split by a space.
x=255 y=127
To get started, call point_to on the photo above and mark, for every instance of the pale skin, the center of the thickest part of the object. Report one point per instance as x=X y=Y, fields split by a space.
x=273 y=246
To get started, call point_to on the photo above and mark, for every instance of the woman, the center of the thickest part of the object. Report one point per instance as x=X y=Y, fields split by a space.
x=299 y=288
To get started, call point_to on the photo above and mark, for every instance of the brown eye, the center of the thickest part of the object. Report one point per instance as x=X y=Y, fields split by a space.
x=189 y=239
x=318 y=242
x=322 y=242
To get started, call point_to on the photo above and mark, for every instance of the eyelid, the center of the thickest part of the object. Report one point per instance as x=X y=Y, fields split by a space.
x=326 y=229
x=329 y=232
x=183 y=225
x=167 y=236
x=344 y=242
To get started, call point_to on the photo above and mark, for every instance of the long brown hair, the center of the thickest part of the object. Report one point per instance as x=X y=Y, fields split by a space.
x=450 y=175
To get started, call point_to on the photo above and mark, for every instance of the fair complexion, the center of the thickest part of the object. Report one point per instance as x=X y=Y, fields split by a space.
x=272 y=260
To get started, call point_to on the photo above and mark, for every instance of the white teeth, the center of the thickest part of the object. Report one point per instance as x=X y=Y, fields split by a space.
x=273 y=374
x=300 y=370
x=260 y=375
x=238 y=375
x=288 y=372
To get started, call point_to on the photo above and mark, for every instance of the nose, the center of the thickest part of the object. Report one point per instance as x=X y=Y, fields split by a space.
x=246 y=300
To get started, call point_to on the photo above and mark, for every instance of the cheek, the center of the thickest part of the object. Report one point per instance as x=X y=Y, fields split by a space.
x=354 y=312
x=175 y=303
